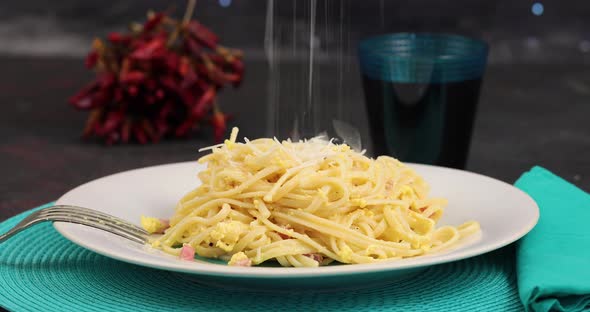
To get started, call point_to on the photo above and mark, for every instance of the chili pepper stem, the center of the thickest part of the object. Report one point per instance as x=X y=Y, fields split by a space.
x=188 y=14
x=215 y=106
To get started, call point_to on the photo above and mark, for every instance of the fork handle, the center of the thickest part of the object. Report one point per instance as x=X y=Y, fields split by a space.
x=24 y=224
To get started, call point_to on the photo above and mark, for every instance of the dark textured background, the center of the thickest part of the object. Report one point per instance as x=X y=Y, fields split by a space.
x=534 y=106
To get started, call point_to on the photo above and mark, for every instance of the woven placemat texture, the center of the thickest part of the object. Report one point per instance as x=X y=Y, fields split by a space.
x=41 y=270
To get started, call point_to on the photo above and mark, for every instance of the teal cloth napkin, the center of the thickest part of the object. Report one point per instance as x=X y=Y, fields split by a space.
x=553 y=260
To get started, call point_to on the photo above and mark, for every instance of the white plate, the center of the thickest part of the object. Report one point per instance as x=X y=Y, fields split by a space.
x=504 y=212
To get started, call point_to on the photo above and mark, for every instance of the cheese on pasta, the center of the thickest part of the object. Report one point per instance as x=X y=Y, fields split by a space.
x=307 y=204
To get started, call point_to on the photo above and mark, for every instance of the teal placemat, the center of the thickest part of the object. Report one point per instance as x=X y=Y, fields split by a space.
x=42 y=271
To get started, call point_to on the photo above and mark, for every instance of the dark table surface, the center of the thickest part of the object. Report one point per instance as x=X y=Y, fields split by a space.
x=528 y=115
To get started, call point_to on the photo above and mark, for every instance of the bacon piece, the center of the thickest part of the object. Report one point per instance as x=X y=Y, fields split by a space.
x=187 y=253
x=317 y=257
x=286 y=227
x=243 y=263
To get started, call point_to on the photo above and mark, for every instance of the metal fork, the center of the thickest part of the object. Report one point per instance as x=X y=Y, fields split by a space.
x=84 y=216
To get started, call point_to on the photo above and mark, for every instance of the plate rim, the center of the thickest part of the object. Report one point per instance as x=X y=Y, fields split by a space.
x=295 y=273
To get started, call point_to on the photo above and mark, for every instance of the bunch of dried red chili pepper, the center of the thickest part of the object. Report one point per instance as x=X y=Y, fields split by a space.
x=159 y=80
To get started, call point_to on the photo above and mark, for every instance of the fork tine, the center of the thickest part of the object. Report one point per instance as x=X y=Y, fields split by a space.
x=85 y=219
x=108 y=227
x=97 y=216
x=91 y=219
x=95 y=213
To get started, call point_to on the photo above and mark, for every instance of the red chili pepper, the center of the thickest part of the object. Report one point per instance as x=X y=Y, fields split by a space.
x=160 y=94
x=238 y=66
x=91 y=59
x=132 y=91
x=203 y=85
x=169 y=83
x=171 y=62
x=161 y=127
x=205 y=36
x=112 y=138
x=117 y=38
x=166 y=110
x=107 y=80
x=91 y=122
x=222 y=78
x=151 y=84
x=149 y=130
x=91 y=96
x=134 y=77
x=233 y=78
x=203 y=103
x=218 y=121
x=238 y=82
x=211 y=73
x=185 y=66
x=150 y=50
x=150 y=100
x=111 y=122
x=118 y=97
x=83 y=99
x=189 y=79
x=126 y=131
x=217 y=59
x=192 y=46
x=189 y=98
x=184 y=128
x=126 y=64
x=102 y=97
x=153 y=21
x=139 y=134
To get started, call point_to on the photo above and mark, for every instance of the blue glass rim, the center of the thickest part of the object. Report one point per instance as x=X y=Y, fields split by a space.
x=423 y=57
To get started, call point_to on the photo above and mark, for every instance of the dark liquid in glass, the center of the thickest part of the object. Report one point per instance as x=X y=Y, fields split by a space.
x=427 y=123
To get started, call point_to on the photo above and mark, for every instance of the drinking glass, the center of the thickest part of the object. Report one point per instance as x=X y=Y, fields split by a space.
x=421 y=94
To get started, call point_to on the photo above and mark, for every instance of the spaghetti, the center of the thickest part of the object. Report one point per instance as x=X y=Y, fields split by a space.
x=306 y=204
